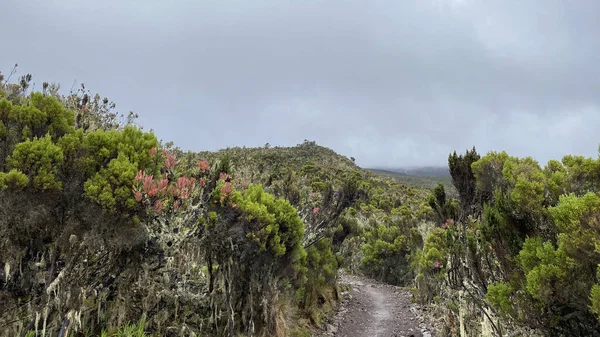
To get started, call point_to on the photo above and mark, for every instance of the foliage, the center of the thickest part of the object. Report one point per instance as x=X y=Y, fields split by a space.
x=527 y=238
x=499 y=295
x=463 y=179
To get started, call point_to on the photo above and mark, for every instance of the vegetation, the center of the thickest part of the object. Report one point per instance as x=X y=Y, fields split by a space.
x=103 y=224
x=526 y=239
x=419 y=179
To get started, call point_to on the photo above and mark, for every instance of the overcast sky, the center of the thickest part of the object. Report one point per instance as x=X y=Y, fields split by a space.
x=392 y=83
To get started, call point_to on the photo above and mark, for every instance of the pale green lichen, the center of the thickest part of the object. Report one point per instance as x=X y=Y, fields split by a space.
x=6 y=272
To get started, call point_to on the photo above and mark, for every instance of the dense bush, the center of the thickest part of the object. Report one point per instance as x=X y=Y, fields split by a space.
x=528 y=240
x=103 y=224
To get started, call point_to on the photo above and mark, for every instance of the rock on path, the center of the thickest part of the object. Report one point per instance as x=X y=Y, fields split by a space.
x=373 y=309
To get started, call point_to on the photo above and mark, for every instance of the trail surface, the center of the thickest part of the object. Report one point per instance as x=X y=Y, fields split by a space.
x=372 y=309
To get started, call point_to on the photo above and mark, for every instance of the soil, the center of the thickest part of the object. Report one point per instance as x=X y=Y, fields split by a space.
x=373 y=309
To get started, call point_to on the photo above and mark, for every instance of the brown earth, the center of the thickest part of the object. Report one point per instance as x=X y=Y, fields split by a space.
x=373 y=309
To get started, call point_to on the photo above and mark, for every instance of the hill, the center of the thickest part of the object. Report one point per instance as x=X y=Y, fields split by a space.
x=102 y=225
x=423 y=171
x=426 y=179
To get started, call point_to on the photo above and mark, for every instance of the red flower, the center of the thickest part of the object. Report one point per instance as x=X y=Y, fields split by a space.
x=153 y=151
x=162 y=186
x=226 y=189
x=138 y=196
x=158 y=206
x=436 y=265
x=224 y=176
x=203 y=165
x=316 y=210
x=147 y=184
x=184 y=187
x=152 y=191
x=169 y=160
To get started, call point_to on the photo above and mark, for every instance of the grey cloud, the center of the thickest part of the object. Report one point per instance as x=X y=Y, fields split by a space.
x=391 y=83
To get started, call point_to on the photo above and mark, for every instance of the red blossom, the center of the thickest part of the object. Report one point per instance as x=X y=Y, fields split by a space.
x=138 y=196
x=202 y=182
x=139 y=175
x=226 y=190
x=158 y=205
x=316 y=210
x=162 y=186
x=152 y=191
x=153 y=151
x=148 y=185
x=184 y=187
x=436 y=265
x=224 y=176
x=169 y=160
x=203 y=165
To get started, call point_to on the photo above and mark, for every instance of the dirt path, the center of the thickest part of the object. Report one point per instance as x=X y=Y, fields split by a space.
x=372 y=309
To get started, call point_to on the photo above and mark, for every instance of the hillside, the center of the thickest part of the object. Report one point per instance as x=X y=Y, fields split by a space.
x=104 y=225
x=422 y=171
x=105 y=229
x=420 y=179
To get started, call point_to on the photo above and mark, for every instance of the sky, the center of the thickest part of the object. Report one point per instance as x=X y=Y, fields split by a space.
x=392 y=83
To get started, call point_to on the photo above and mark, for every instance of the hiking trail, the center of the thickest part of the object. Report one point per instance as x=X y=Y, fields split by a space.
x=373 y=309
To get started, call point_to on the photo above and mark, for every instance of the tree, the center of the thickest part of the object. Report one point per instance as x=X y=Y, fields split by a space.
x=463 y=178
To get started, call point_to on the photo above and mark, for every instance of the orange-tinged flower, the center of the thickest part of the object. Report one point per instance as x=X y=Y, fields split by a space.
x=152 y=191
x=138 y=196
x=148 y=184
x=203 y=165
x=153 y=151
x=158 y=206
x=139 y=175
x=184 y=187
x=226 y=189
x=169 y=160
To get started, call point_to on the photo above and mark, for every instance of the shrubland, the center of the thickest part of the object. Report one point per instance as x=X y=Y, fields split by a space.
x=521 y=255
x=105 y=229
x=103 y=226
